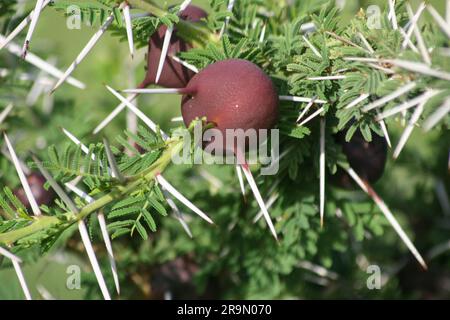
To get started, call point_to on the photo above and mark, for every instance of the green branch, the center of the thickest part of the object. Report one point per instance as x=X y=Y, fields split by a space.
x=39 y=224
x=133 y=183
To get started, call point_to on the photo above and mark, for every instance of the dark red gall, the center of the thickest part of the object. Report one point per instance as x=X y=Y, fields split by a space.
x=231 y=94
x=42 y=196
x=174 y=75
x=368 y=159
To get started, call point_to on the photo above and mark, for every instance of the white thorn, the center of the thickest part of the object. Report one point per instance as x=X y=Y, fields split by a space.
x=93 y=259
x=447 y=12
x=140 y=15
x=132 y=124
x=112 y=167
x=230 y=5
x=357 y=179
x=407 y=65
x=275 y=161
x=153 y=91
x=83 y=195
x=43 y=80
x=259 y=200
x=319 y=270
x=420 y=68
x=316 y=52
x=109 y=249
x=25 y=169
x=410 y=44
x=9 y=255
x=366 y=43
x=41 y=64
x=184 y=5
x=385 y=70
x=45 y=294
x=75 y=140
x=438 y=250
x=341 y=70
x=308 y=106
x=113 y=114
x=164 y=50
x=21 y=278
x=138 y=112
x=346 y=41
x=392 y=14
x=131 y=118
x=227 y=19
x=104 y=230
x=36 y=90
x=16 y=264
x=166 y=185
x=213 y=181
x=268 y=204
x=390 y=217
x=40 y=85
x=408 y=130
x=23 y=178
x=385 y=133
x=301 y=99
x=222 y=30
x=363 y=59
x=312 y=116
x=327 y=78
x=178 y=214
x=389 y=15
x=177 y=119
x=21 y=26
x=34 y=20
x=308 y=27
x=263 y=33
x=322 y=170
x=5 y=112
x=361 y=98
x=413 y=19
x=445 y=26
x=437 y=116
x=127 y=18
x=185 y=64
x=81 y=228
x=84 y=52
x=443 y=51
x=393 y=95
x=407 y=104
x=240 y=178
x=420 y=42
x=84 y=148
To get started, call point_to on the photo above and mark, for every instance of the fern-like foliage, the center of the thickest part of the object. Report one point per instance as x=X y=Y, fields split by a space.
x=244 y=49
x=71 y=162
x=145 y=148
x=93 y=13
x=11 y=205
x=134 y=214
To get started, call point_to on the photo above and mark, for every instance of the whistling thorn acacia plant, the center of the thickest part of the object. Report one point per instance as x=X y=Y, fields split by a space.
x=358 y=85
